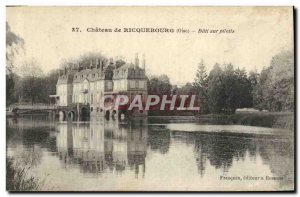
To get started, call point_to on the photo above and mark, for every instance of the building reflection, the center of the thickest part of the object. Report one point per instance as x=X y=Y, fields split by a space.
x=101 y=145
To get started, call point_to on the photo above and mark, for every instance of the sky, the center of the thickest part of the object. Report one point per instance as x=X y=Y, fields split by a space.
x=259 y=34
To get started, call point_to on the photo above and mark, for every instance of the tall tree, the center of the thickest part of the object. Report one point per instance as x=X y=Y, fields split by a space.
x=254 y=80
x=216 y=90
x=201 y=86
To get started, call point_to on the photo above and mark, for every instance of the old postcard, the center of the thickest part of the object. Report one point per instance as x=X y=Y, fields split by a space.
x=150 y=99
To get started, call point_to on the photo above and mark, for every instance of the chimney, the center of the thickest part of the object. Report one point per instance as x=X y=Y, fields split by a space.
x=75 y=67
x=91 y=66
x=79 y=67
x=144 y=62
x=136 y=60
x=97 y=63
x=101 y=64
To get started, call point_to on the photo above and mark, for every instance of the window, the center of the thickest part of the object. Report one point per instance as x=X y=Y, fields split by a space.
x=132 y=84
x=141 y=85
x=136 y=84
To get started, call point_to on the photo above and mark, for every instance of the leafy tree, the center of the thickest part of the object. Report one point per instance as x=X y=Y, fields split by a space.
x=13 y=45
x=228 y=89
x=160 y=85
x=275 y=90
x=32 y=85
x=187 y=89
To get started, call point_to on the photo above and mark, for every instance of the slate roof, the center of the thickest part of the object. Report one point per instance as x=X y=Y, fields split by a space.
x=109 y=72
x=128 y=71
x=65 y=79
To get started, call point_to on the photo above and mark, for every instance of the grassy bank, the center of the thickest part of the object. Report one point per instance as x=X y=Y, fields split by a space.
x=274 y=120
x=18 y=178
x=262 y=119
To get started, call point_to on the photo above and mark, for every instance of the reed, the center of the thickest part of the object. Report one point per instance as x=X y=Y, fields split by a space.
x=19 y=179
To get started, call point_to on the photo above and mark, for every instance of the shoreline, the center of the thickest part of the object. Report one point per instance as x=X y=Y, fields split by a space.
x=278 y=120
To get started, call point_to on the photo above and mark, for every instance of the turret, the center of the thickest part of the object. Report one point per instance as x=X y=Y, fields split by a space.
x=136 y=61
x=144 y=63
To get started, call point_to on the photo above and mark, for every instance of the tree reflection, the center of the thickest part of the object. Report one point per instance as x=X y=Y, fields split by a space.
x=159 y=138
x=279 y=155
x=33 y=133
x=221 y=149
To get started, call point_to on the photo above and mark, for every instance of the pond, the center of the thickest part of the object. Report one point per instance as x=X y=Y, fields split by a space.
x=140 y=154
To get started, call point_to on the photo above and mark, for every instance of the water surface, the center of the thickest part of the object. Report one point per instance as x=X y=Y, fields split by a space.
x=101 y=155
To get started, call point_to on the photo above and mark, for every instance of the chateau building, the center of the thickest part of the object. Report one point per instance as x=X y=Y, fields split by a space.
x=87 y=86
